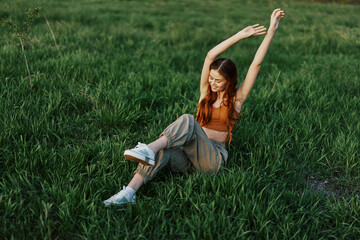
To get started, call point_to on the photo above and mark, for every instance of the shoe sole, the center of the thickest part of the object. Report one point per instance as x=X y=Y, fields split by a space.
x=118 y=204
x=133 y=156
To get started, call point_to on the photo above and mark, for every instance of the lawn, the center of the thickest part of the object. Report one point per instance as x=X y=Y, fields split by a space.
x=118 y=72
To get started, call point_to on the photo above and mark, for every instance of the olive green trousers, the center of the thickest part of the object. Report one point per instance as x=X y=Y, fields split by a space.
x=188 y=148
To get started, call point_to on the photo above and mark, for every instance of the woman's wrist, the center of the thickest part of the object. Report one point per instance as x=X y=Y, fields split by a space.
x=271 y=30
x=240 y=35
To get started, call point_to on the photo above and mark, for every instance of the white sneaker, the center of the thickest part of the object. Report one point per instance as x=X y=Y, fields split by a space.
x=141 y=153
x=122 y=197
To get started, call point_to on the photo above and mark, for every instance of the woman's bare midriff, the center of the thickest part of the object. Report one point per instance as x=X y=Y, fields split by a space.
x=216 y=135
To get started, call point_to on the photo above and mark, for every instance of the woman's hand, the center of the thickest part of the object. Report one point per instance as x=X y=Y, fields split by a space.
x=275 y=19
x=254 y=30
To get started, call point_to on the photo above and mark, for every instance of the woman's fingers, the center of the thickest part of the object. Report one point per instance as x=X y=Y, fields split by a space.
x=260 y=29
x=260 y=33
x=277 y=11
x=280 y=12
x=255 y=25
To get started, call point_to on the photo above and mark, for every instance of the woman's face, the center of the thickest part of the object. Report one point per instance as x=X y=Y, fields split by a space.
x=217 y=81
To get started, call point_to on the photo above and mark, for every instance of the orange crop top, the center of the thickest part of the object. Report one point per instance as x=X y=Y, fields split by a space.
x=219 y=120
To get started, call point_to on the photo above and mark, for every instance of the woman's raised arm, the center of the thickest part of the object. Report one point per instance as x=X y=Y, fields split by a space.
x=244 y=89
x=254 y=30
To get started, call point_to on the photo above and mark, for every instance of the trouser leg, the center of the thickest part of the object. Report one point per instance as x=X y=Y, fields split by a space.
x=187 y=133
x=188 y=146
x=175 y=157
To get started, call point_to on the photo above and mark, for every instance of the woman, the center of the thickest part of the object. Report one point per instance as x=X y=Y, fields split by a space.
x=200 y=143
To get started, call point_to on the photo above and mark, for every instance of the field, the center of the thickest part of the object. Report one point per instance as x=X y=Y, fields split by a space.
x=121 y=71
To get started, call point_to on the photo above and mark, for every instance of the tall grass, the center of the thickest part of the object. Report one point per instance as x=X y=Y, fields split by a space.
x=124 y=70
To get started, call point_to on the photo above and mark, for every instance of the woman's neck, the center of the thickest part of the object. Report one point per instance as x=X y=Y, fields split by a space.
x=220 y=95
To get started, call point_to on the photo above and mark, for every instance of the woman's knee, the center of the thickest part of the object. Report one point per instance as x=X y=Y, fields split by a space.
x=188 y=118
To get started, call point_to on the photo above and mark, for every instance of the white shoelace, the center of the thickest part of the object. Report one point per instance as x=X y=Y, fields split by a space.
x=120 y=194
x=139 y=145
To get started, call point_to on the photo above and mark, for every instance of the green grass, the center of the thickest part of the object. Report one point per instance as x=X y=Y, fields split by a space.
x=124 y=70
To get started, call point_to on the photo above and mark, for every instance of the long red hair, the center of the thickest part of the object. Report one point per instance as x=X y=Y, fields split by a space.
x=227 y=69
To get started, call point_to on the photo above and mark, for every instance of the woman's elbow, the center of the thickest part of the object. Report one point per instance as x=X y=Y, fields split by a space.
x=256 y=65
x=211 y=56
